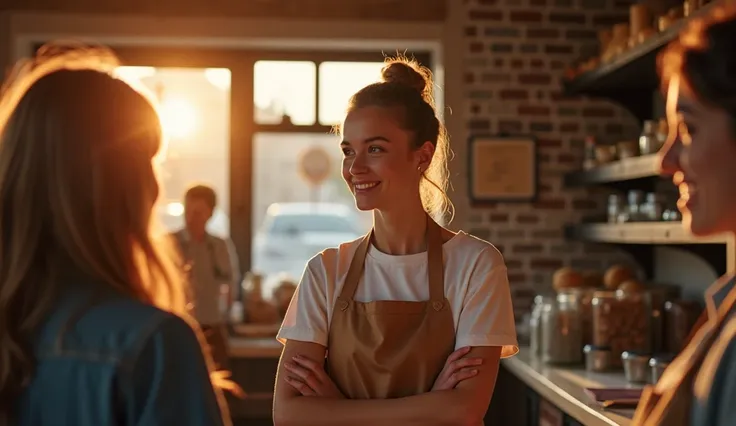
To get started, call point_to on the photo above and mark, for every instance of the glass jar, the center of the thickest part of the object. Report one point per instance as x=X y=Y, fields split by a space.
x=615 y=207
x=562 y=337
x=535 y=325
x=680 y=317
x=635 y=201
x=621 y=321
x=658 y=297
x=648 y=143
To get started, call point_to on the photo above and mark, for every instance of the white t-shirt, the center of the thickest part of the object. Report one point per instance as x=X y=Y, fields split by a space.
x=476 y=285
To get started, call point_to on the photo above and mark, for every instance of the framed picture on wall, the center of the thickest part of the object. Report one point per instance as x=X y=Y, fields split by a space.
x=502 y=168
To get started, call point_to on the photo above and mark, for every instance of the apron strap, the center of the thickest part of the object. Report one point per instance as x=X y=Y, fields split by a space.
x=435 y=268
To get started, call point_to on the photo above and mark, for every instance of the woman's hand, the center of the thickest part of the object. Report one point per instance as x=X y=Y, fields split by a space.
x=456 y=370
x=310 y=378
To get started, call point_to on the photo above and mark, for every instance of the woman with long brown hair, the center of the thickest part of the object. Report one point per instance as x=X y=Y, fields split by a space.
x=93 y=324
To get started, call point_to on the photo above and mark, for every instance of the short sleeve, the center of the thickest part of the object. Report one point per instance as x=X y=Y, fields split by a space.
x=168 y=382
x=306 y=318
x=487 y=315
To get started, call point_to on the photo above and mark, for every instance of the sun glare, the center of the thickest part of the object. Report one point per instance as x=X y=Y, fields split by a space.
x=179 y=117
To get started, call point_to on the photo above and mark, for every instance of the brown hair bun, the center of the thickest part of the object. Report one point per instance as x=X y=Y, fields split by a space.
x=404 y=73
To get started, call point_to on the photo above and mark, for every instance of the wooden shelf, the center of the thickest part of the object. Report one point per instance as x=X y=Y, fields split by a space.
x=664 y=233
x=646 y=166
x=630 y=79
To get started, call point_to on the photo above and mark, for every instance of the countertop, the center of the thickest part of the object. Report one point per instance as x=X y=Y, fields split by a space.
x=564 y=388
x=254 y=347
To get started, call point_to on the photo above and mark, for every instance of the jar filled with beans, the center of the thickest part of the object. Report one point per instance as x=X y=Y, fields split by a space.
x=622 y=321
x=562 y=337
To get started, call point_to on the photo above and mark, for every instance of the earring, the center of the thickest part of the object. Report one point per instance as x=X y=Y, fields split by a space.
x=419 y=169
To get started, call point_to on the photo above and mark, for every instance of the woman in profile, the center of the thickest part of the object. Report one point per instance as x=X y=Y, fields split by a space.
x=699 y=76
x=93 y=325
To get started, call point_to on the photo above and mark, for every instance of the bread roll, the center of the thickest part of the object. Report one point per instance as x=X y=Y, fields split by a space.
x=565 y=278
x=631 y=286
x=616 y=275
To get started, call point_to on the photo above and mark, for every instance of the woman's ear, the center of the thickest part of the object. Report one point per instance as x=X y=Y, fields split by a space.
x=425 y=154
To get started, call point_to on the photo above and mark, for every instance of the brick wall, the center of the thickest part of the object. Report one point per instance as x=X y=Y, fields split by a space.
x=391 y=10
x=515 y=55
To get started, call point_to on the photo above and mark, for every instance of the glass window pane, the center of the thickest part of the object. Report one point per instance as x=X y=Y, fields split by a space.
x=293 y=220
x=338 y=81
x=284 y=91
x=194 y=106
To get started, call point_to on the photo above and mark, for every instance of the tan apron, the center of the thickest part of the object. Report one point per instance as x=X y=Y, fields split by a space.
x=671 y=406
x=390 y=349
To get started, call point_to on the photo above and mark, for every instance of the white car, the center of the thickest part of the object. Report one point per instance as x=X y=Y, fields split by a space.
x=292 y=233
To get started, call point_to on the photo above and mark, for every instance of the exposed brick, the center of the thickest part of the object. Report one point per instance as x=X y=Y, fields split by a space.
x=527 y=218
x=537 y=2
x=528 y=248
x=544 y=188
x=498 y=62
x=584 y=204
x=610 y=19
x=536 y=63
x=543 y=158
x=580 y=34
x=545 y=263
x=545 y=33
x=528 y=48
x=558 y=49
x=469 y=78
x=525 y=16
x=485 y=15
x=551 y=204
x=601 y=112
x=471 y=31
x=535 y=127
x=517 y=277
x=488 y=2
x=502 y=48
x=513 y=94
x=614 y=129
x=498 y=217
x=504 y=32
x=475 y=108
x=547 y=234
x=511 y=233
x=549 y=143
x=567 y=18
x=533 y=110
x=517 y=64
x=476 y=47
x=569 y=127
x=510 y=126
x=597 y=4
x=556 y=64
x=567 y=159
x=535 y=78
x=483 y=233
x=479 y=124
x=513 y=263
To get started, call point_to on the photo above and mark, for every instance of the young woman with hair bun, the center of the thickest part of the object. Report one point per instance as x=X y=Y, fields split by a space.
x=407 y=324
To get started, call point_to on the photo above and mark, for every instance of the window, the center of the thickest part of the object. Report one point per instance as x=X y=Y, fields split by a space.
x=285 y=92
x=338 y=81
x=194 y=106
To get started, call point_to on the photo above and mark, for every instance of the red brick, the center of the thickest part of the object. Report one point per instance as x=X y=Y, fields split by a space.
x=469 y=77
x=517 y=277
x=498 y=62
x=569 y=127
x=514 y=264
x=525 y=16
x=567 y=159
x=558 y=49
x=545 y=263
x=513 y=94
x=610 y=19
x=557 y=65
x=509 y=126
x=613 y=129
x=567 y=18
x=598 y=112
x=527 y=218
x=485 y=15
x=471 y=31
x=543 y=158
x=551 y=204
x=544 y=188
x=487 y=2
x=475 y=108
x=479 y=124
x=517 y=64
x=537 y=2
x=476 y=47
x=536 y=63
x=528 y=248
x=540 y=126
x=545 y=33
x=584 y=205
x=533 y=110
x=535 y=79
x=580 y=34
x=498 y=217
x=549 y=143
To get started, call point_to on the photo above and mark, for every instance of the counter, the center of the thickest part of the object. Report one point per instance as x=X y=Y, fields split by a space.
x=564 y=388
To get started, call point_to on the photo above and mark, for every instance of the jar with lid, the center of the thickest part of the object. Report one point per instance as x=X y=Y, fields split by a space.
x=562 y=337
x=653 y=207
x=658 y=297
x=634 y=211
x=648 y=143
x=535 y=325
x=680 y=317
x=621 y=321
x=615 y=207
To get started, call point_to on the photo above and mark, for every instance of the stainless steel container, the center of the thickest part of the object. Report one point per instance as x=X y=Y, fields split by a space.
x=636 y=367
x=597 y=358
x=658 y=364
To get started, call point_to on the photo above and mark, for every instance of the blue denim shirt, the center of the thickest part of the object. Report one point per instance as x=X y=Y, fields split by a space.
x=119 y=362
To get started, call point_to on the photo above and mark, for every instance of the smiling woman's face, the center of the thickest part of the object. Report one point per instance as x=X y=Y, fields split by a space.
x=700 y=154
